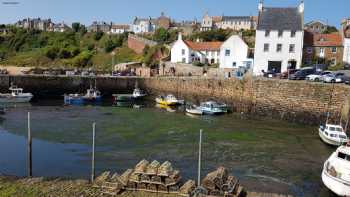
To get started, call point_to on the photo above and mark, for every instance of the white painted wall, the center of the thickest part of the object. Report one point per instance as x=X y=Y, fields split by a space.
x=262 y=58
x=238 y=53
x=176 y=52
x=346 y=56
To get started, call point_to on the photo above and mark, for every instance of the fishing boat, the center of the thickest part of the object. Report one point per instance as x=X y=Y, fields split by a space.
x=336 y=171
x=92 y=95
x=16 y=96
x=73 y=99
x=333 y=134
x=213 y=107
x=193 y=109
x=168 y=100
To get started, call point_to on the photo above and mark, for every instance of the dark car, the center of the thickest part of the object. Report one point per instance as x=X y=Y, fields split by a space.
x=346 y=79
x=302 y=73
x=285 y=75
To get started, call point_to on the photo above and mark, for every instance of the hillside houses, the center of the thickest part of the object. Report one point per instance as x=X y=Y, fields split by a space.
x=228 y=22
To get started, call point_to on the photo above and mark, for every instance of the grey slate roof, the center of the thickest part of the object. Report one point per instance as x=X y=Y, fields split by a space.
x=236 y=18
x=280 y=19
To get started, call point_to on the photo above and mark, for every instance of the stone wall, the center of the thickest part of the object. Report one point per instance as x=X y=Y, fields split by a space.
x=137 y=43
x=298 y=101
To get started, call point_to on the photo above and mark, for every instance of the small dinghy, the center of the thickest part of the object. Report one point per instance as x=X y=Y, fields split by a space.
x=193 y=109
x=92 y=95
x=138 y=93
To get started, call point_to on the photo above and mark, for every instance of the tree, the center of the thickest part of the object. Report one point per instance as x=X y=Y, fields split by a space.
x=76 y=27
x=109 y=46
x=330 y=29
x=98 y=35
x=161 y=35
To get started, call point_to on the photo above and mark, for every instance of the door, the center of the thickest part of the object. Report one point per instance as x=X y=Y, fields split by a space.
x=274 y=66
x=292 y=64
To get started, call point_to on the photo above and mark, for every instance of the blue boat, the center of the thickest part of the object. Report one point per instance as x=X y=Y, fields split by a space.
x=73 y=99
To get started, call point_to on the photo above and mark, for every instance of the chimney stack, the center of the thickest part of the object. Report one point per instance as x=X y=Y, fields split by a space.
x=301 y=7
x=261 y=6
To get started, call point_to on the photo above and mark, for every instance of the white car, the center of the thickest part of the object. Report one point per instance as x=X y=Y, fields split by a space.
x=333 y=78
x=317 y=76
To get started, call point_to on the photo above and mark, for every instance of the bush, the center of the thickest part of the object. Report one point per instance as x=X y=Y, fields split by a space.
x=98 y=35
x=109 y=46
x=52 y=52
x=82 y=59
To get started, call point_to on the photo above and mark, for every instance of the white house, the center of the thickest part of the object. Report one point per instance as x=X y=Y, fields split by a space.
x=188 y=51
x=279 y=39
x=119 y=29
x=141 y=25
x=346 y=40
x=234 y=54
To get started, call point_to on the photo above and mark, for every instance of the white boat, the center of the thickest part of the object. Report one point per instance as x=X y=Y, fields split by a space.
x=212 y=108
x=333 y=134
x=336 y=171
x=193 y=109
x=92 y=95
x=138 y=93
x=168 y=100
x=16 y=96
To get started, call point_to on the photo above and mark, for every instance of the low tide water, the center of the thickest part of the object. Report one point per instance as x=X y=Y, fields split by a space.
x=266 y=155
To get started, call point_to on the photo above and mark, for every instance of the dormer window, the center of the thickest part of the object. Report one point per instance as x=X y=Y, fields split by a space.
x=292 y=34
x=280 y=33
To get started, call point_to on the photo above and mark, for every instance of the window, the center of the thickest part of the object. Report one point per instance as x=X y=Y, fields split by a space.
x=291 y=48
x=227 y=52
x=183 y=60
x=280 y=33
x=333 y=61
x=309 y=50
x=183 y=51
x=292 y=34
x=267 y=33
x=234 y=64
x=266 y=47
x=279 y=48
x=334 y=49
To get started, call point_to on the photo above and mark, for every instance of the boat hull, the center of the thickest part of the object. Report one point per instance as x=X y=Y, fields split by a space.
x=330 y=141
x=339 y=187
x=194 y=111
x=164 y=102
x=15 y=99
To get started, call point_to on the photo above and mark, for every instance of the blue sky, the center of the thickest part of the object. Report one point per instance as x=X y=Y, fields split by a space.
x=123 y=11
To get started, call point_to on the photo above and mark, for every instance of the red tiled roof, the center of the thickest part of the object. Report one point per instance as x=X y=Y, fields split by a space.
x=204 y=46
x=322 y=40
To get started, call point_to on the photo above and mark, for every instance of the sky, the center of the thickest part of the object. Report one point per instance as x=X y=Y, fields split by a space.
x=123 y=11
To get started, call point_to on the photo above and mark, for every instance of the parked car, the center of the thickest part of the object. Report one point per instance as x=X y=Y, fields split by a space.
x=302 y=73
x=334 y=78
x=286 y=74
x=270 y=74
x=317 y=76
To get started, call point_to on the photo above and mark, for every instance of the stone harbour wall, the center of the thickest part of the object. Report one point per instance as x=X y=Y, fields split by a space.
x=298 y=101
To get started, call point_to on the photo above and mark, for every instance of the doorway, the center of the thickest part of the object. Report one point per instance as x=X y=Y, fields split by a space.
x=274 y=66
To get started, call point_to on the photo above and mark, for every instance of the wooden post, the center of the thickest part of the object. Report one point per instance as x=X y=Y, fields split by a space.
x=93 y=153
x=199 y=157
x=30 y=173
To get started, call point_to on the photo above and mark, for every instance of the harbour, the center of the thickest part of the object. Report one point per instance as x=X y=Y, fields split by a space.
x=266 y=155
